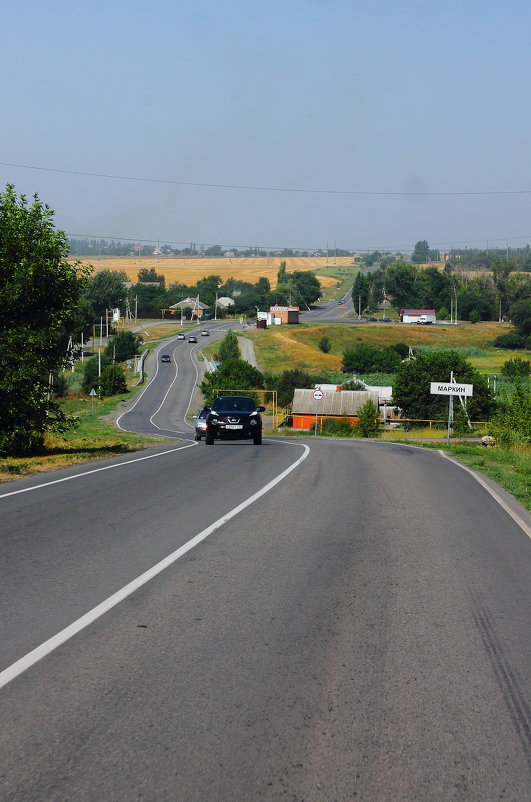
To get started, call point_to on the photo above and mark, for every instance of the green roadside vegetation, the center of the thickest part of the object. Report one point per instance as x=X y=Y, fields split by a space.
x=95 y=438
x=509 y=467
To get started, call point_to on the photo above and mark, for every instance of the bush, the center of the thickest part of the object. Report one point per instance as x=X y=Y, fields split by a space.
x=324 y=345
x=367 y=425
x=337 y=427
x=515 y=368
x=367 y=358
x=59 y=385
x=474 y=316
x=90 y=372
x=402 y=349
x=511 y=425
x=443 y=313
x=112 y=381
x=512 y=341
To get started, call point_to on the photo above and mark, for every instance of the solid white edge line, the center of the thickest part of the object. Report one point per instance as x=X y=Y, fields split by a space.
x=97 y=470
x=516 y=518
x=29 y=660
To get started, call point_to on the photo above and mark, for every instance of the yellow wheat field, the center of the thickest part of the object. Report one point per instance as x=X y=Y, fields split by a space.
x=188 y=271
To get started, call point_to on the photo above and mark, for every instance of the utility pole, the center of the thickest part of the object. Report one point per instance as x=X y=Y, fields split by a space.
x=450 y=408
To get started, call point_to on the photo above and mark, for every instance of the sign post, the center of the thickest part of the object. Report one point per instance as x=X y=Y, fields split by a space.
x=318 y=396
x=451 y=389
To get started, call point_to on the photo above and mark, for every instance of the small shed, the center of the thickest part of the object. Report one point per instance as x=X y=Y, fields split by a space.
x=334 y=404
x=286 y=314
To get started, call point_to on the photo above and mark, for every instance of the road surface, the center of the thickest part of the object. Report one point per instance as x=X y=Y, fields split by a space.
x=309 y=619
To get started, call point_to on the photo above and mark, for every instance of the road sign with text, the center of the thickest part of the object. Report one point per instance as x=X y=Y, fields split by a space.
x=446 y=388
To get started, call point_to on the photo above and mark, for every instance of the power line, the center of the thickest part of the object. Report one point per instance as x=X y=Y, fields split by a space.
x=450 y=244
x=267 y=189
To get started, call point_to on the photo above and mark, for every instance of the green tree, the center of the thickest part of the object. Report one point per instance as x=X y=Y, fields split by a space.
x=361 y=292
x=151 y=275
x=477 y=294
x=500 y=274
x=39 y=294
x=433 y=288
x=421 y=254
x=228 y=348
x=106 y=290
x=289 y=381
x=367 y=425
x=206 y=288
x=112 y=381
x=324 y=345
x=306 y=286
x=411 y=387
x=400 y=283
x=233 y=375
x=125 y=345
x=91 y=369
x=263 y=286
x=520 y=314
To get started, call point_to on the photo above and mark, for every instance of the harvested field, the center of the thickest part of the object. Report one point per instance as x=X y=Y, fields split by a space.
x=189 y=270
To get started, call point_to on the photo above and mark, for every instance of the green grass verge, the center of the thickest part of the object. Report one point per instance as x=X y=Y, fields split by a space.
x=510 y=468
x=94 y=438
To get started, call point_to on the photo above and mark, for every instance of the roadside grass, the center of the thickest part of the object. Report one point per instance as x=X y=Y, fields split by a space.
x=95 y=438
x=510 y=468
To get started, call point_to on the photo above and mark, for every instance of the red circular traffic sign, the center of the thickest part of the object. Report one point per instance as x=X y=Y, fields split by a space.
x=318 y=395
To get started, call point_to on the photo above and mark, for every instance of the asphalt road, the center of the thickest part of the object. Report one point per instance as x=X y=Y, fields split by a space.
x=358 y=631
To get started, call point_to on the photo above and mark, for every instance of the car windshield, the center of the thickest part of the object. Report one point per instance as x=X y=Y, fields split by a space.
x=230 y=403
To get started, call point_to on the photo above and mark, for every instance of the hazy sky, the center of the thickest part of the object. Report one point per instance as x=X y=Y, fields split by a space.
x=399 y=96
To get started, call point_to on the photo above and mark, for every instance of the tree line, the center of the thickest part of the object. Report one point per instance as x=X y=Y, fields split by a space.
x=502 y=293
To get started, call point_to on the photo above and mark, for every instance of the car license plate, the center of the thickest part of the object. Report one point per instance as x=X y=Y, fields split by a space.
x=233 y=426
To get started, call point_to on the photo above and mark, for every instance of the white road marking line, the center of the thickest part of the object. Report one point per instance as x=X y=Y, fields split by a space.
x=29 y=660
x=516 y=518
x=96 y=470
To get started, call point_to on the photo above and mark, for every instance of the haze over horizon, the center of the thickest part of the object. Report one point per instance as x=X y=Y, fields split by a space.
x=296 y=124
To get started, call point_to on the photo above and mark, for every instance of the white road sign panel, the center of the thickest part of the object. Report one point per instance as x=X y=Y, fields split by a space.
x=443 y=388
x=318 y=395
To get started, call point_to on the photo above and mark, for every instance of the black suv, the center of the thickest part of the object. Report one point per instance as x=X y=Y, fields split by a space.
x=234 y=417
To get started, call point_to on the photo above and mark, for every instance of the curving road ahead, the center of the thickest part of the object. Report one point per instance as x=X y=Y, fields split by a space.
x=304 y=620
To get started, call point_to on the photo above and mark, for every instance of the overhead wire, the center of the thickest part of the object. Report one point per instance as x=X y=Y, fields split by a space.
x=259 y=188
